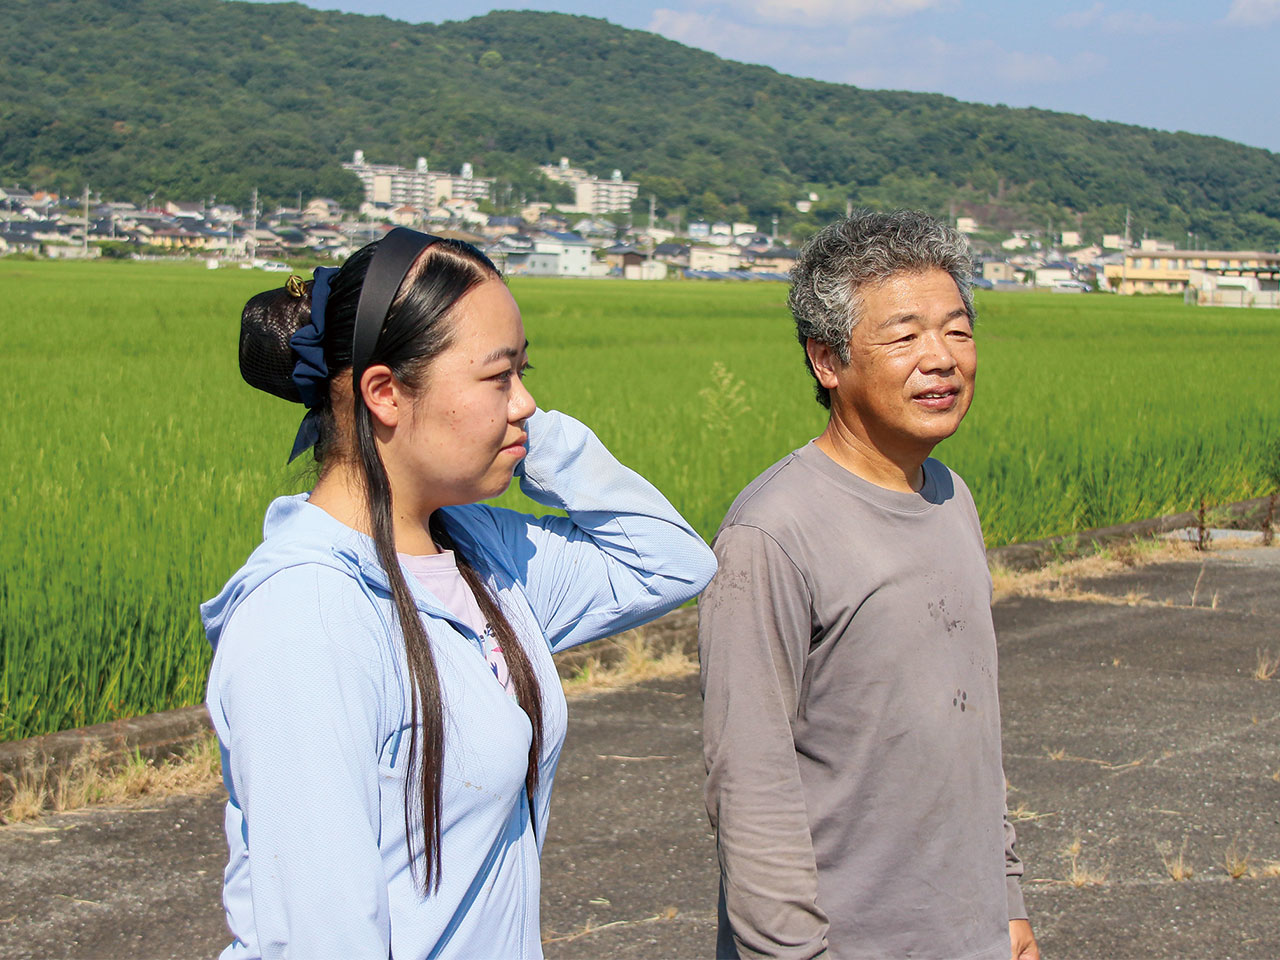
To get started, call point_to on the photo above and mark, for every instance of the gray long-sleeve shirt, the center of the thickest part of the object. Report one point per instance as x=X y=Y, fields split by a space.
x=851 y=720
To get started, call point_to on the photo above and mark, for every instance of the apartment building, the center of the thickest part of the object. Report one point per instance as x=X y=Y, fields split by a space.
x=1169 y=271
x=392 y=185
x=591 y=194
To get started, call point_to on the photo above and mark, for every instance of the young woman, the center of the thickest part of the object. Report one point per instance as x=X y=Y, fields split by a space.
x=382 y=685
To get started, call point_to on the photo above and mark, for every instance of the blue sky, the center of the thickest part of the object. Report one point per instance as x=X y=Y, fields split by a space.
x=1206 y=67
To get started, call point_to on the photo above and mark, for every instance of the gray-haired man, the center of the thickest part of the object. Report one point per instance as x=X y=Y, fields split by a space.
x=852 y=727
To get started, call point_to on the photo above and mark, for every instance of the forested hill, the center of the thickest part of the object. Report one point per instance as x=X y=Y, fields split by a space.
x=190 y=98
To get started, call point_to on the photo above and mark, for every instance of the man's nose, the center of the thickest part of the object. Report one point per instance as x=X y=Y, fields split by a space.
x=938 y=357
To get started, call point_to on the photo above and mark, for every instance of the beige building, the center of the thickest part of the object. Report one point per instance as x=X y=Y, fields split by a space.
x=999 y=271
x=420 y=187
x=591 y=194
x=1169 y=271
x=714 y=258
x=1257 y=287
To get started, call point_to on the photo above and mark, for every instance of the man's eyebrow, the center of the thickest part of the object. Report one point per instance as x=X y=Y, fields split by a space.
x=915 y=318
x=505 y=353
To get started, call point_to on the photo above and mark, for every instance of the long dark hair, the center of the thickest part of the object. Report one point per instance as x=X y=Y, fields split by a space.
x=415 y=331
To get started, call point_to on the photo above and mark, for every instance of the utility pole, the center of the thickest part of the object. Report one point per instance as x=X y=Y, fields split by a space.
x=252 y=245
x=85 y=246
x=1124 y=254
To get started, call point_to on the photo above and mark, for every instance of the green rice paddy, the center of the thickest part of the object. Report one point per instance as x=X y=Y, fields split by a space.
x=135 y=464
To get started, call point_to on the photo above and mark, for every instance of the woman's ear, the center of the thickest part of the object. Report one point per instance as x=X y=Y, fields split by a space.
x=383 y=395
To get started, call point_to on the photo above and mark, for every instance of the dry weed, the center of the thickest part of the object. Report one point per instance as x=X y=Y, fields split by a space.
x=1077 y=875
x=590 y=927
x=639 y=661
x=88 y=780
x=1237 y=864
x=1059 y=579
x=1024 y=814
x=1267 y=665
x=1176 y=867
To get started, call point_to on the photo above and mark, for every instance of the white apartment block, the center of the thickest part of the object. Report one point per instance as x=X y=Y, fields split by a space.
x=591 y=194
x=420 y=187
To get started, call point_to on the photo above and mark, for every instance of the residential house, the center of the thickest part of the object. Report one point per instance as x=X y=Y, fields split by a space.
x=645 y=270
x=184 y=211
x=999 y=271
x=552 y=255
x=672 y=253
x=322 y=210
x=1244 y=287
x=1054 y=273
x=623 y=255
x=775 y=259
x=714 y=258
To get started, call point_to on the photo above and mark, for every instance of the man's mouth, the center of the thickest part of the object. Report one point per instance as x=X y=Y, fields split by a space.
x=942 y=398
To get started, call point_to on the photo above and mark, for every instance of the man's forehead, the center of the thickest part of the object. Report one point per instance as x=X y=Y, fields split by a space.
x=908 y=296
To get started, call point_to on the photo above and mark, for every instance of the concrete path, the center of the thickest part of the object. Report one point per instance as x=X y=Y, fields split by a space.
x=1132 y=723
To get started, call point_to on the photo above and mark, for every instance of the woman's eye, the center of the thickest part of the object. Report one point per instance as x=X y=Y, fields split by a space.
x=524 y=371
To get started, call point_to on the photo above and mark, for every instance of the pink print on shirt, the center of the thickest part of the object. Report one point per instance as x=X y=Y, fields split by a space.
x=497 y=661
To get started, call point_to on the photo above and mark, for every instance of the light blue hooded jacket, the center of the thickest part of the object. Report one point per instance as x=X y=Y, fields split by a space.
x=309 y=695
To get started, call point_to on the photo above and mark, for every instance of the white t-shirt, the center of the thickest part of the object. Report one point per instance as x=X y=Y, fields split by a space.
x=438 y=572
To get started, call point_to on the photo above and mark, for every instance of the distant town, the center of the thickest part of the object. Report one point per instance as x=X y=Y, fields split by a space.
x=596 y=234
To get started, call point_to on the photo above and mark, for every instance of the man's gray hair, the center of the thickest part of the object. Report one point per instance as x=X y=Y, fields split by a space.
x=863 y=250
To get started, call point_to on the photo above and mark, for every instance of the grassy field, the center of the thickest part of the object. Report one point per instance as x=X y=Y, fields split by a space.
x=136 y=465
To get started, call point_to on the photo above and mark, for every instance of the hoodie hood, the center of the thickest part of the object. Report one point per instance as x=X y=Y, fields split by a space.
x=294 y=532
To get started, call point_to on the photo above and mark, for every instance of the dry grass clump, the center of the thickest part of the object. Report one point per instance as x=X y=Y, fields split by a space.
x=1235 y=862
x=1080 y=876
x=637 y=660
x=89 y=780
x=1059 y=579
x=1177 y=866
x=1267 y=664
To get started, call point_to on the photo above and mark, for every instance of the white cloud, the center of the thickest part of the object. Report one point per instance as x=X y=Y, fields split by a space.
x=1078 y=19
x=826 y=12
x=806 y=52
x=1254 y=12
x=1121 y=21
x=1027 y=69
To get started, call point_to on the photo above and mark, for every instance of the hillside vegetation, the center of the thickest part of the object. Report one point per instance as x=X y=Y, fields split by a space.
x=191 y=98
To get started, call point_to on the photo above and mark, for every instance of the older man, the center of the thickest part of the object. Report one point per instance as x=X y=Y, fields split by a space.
x=852 y=725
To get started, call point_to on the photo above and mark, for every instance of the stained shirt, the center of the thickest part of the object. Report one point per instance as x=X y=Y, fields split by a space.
x=852 y=721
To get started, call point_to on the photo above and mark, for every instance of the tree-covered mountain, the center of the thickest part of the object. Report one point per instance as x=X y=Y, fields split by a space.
x=192 y=98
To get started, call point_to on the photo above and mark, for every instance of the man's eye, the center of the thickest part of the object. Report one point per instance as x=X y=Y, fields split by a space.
x=524 y=371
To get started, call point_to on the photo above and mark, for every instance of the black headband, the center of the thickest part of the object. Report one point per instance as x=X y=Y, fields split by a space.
x=396 y=254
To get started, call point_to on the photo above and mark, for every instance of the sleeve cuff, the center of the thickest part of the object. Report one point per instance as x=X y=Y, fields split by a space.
x=1017 y=908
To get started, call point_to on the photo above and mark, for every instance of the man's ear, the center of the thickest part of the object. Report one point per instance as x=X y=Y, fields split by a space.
x=824 y=361
x=383 y=395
